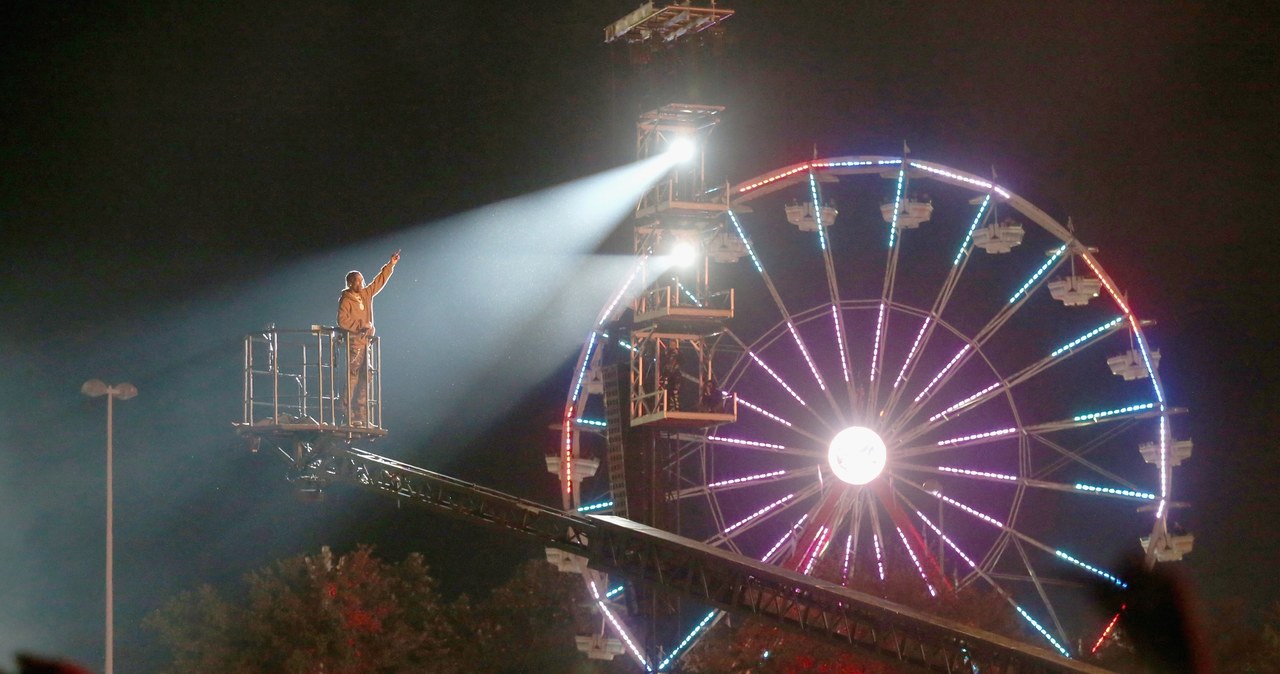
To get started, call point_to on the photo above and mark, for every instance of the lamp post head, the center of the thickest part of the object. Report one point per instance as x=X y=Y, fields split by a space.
x=95 y=387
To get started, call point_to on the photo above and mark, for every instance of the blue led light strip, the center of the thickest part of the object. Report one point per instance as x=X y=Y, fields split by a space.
x=1115 y=492
x=1086 y=336
x=598 y=506
x=1043 y=632
x=577 y=387
x=688 y=294
x=746 y=244
x=817 y=210
x=687 y=640
x=1111 y=413
x=1090 y=568
x=969 y=236
x=897 y=205
x=1039 y=272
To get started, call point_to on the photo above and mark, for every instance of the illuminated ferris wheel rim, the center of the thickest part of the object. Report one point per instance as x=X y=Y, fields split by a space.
x=886 y=167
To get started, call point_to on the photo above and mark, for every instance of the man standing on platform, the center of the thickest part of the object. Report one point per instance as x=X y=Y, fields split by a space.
x=355 y=317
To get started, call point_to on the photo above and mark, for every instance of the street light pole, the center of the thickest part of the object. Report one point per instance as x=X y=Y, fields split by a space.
x=94 y=388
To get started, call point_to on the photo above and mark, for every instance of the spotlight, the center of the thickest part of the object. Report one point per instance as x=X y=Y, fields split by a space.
x=684 y=254
x=682 y=149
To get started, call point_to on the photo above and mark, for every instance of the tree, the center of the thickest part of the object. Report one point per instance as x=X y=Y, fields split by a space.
x=356 y=614
x=349 y=614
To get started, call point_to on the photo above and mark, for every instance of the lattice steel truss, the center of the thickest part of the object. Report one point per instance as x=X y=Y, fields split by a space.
x=638 y=553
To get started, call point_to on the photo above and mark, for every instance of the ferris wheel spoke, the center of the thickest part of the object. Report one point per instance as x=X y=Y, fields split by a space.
x=766 y=513
x=1111 y=416
x=786 y=316
x=975 y=400
x=824 y=517
x=1077 y=457
x=1128 y=492
x=1057 y=555
x=1067 y=350
x=1020 y=537
x=853 y=540
x=773 y=374
x=974 y=345
x=886 y=293
x=759 y=446
x=940 y=302
x=1044 y=601
x=771 y=556
x=888 y=495
x=833 y=287
x=744 y=482
x=776 y=419
x=970 y=440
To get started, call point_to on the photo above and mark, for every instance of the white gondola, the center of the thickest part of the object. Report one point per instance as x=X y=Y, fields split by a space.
x=726 y=248
x=1131 y=366
x=599 y=646
x=801 y=215
x=1075 y=291
x=911 y=212
x=1179 y=451
x=594 y=381
x=566 y=562
x=998 y=237
x=1170 y=545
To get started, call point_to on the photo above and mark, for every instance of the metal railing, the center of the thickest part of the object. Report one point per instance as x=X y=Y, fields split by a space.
x=300 y=377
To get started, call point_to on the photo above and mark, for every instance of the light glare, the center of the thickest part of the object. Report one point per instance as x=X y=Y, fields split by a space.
x=857 y=455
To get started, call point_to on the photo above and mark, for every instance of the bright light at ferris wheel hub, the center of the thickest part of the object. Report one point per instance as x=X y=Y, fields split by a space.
x=857 y=455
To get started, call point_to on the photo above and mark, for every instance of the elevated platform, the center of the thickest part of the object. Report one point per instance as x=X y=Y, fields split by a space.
x=279 y=432
x=296 y=381
x=663 y=24
x=678 y=419
x=671 y=308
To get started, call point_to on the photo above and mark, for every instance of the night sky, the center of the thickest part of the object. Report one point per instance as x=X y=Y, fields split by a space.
x=176 y=175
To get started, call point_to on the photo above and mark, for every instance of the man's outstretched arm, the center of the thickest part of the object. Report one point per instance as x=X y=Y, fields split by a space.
x=384 y=275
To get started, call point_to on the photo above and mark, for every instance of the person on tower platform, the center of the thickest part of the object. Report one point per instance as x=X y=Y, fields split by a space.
x=355 y=318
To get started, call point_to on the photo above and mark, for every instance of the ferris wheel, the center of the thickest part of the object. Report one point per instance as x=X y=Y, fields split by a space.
x=879 y=366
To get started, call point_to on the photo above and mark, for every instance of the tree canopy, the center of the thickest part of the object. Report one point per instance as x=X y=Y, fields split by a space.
x=358 y=614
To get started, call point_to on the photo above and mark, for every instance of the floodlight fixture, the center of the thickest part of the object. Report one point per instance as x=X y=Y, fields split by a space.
x=682 y=149
x=684 y=254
